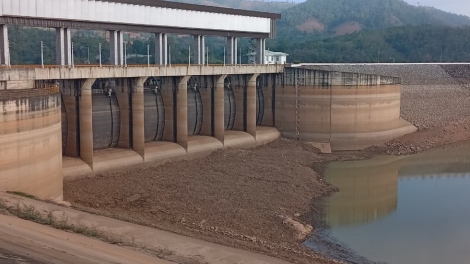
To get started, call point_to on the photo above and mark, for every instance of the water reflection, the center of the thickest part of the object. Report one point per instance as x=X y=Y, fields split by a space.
x=368 y=191
x=404 y=209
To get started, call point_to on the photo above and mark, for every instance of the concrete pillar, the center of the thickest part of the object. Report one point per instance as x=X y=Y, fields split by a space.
x=182 y=113
x=138 y=130
x=63 y=46
x=251 y=105
x=161 y=47
x=260 y=47
x=4 y=46
x=196 y=49
x=69 y=93
x=86 y=122
x=235 y=50
x=231 y=48
x=219 y=108
x=116 y=50
x=203 y=50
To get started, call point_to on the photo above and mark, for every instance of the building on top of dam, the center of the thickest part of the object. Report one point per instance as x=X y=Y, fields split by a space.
x=61 y=121
x=117 y=16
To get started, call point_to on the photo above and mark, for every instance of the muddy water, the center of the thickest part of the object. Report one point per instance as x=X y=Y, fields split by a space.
x=412 y=210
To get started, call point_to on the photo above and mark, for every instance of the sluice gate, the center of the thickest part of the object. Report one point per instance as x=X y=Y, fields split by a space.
x=104 y=123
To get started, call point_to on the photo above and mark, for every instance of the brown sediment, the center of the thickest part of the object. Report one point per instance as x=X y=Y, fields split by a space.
x=234 y=197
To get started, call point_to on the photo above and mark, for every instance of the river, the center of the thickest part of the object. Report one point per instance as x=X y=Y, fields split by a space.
x=403 y=210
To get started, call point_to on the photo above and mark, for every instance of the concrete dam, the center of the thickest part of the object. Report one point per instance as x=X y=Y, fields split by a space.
x=65 y=120
x=56 y=124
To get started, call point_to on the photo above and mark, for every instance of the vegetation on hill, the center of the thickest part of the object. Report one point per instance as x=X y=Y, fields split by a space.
x=398 y=44
x=326 y=18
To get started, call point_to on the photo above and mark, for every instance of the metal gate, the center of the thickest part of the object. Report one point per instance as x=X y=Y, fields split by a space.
x=229 y=107
x=154 y=115
x=106 y=120
x=194 y=111
x=259 y=101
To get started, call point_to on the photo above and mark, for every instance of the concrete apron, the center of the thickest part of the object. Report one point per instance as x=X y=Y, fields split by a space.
x=179 y=247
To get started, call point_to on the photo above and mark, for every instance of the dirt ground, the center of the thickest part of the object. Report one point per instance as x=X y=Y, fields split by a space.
x=252 y=199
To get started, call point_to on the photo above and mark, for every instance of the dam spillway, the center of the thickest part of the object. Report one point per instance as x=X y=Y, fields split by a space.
x=114 y=120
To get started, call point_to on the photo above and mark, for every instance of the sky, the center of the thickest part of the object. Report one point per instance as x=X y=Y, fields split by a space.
x=461 y=7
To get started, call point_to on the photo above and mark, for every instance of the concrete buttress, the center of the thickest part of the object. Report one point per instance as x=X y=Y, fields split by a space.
x=219 y=122
x=182 y=112
x=251 y=105
x=86 y=122
x=138 y=131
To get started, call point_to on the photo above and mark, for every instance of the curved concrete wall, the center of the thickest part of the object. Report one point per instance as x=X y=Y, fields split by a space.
x=31 y=143
x=351 y=111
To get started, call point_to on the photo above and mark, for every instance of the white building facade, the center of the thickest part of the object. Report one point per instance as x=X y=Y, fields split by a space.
x=270 y=57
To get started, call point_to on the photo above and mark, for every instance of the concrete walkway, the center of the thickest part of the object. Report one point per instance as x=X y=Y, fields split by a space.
x=23 y=241
x=169 y=246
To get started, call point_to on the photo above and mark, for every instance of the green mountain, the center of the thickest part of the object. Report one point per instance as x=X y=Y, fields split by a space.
x=324 y=18
x=425 y=43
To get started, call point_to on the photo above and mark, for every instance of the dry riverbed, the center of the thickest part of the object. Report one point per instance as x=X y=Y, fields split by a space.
x=256 y=199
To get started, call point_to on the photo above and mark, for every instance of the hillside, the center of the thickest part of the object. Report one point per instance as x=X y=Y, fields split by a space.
x=398 y=44
x=324 y=18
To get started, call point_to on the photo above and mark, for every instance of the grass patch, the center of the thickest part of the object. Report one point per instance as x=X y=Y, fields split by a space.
x=23 y=194
x=31 y=214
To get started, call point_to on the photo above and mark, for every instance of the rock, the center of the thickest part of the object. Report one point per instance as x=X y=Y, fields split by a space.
x=301 y=230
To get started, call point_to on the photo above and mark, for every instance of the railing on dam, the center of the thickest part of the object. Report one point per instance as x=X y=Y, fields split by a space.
x=39 y=90
x=53 y=72
x=53 y=66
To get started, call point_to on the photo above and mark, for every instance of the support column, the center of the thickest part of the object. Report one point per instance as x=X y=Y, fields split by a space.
x=182 y=113
x=259 y=49
x=235 y=50
x=196 y=50
x=86 y=122
x=4 y=46
x=161 y=47
x=251 y=105
x=63 y=47
x=69 y=92
x=219 y=109
x=116 y=50
x=231 y=48
x=203 y=50
x=138 y=130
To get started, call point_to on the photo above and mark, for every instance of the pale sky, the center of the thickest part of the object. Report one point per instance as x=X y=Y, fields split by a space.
x=461 y=7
